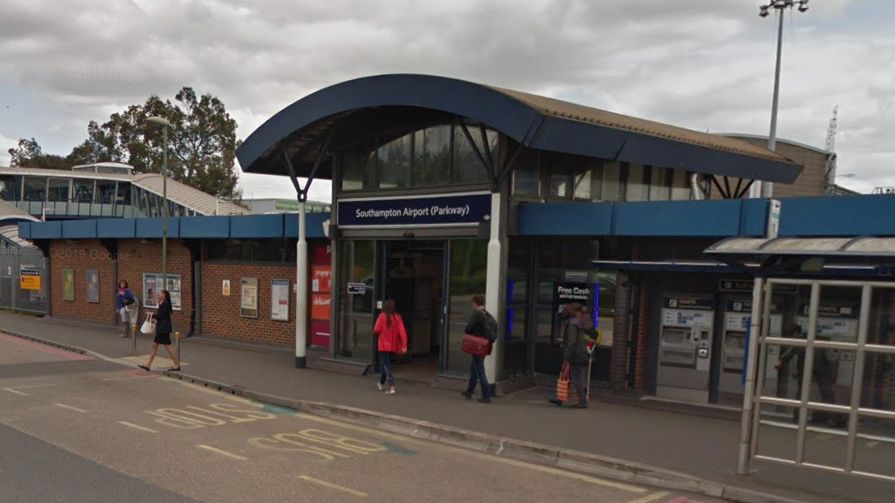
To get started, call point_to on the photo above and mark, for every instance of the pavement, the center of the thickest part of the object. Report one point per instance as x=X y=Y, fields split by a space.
x=704 y=447
x=76 y=428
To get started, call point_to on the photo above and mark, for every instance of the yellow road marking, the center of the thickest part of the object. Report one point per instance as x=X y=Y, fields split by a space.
x=650 y=498
x=521 y=464
x=222 y=452
x=334 y=486
x=137 y=427
x=69 y=407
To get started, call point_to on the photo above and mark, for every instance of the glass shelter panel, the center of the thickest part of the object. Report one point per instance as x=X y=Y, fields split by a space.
x=825 y=377
x=468 y=264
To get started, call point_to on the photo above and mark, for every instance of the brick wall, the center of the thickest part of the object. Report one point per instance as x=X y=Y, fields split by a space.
x=221 y=314
x=145 y=256
x=81 y=256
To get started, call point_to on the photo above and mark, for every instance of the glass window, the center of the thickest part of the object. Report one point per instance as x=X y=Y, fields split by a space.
x=526 y=180
x=559 y=167
x=393 y=163
x=124 y=193
x=587 y=178
x=105 y=191
x=356 y=265
x=82 y=191
x=467 y=166
x=11 y=188
x=35 y=188
x=358 y=167
x=58 y=191
x=468 y=264
x=612 y=188
x=637 y=188
x=680 y=185
x=660 y=184
x=432 y=156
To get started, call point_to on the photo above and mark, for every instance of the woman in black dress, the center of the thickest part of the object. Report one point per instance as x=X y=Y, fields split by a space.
x=163 y=331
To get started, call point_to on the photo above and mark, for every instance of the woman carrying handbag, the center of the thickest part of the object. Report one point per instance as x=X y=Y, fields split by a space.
x=163 y=331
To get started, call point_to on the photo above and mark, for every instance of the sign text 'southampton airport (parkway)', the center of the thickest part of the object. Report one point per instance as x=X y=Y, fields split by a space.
x=455 y=209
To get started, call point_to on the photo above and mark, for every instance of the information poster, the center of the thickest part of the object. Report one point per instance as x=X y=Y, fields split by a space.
x=152 y=283
x=248 y=299
x=321 y=295
x=93 y=286
x=279 y=299
x=225 y=287
x=29 y=278
x=68 y=284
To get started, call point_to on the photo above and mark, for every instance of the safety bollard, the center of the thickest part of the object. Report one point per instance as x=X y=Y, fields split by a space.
x=134 y=338
x=177 y=338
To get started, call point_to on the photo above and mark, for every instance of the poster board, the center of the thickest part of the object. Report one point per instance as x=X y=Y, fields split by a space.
x=248 y=298
x=321 y=295
x=68 y=284
x=29 y=278
x=92 y=286
x=225 y=287
x=279 y=299
x=152 y=283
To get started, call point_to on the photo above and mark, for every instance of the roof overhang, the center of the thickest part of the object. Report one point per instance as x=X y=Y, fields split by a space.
x=302 y=128
x=851 y=247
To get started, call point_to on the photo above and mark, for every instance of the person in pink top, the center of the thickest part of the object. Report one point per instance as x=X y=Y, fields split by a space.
x=392 y=341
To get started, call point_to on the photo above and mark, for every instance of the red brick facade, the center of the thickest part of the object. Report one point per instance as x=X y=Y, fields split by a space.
x=221 y=314
x=136 y=257
x=79 y=257
x=132 y=259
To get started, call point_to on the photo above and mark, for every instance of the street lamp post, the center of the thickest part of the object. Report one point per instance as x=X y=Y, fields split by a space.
x=165 y=125
x=766 y=189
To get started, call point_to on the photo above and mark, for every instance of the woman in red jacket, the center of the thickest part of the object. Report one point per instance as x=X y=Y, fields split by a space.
x=392 y=340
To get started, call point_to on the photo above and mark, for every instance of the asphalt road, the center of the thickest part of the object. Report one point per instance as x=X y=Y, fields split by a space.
x=74 y=429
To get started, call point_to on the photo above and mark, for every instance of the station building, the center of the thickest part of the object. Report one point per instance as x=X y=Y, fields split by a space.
x=443 y=189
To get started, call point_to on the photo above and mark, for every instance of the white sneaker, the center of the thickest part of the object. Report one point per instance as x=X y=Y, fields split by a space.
x=379 y=385
x=391 y=391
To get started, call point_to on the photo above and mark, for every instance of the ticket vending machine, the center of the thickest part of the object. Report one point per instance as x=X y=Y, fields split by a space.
x=838 y=323
x=685 y=348
x=735 y=329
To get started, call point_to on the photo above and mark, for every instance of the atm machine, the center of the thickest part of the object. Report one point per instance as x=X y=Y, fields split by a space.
x=685 y=348
x=735 y=328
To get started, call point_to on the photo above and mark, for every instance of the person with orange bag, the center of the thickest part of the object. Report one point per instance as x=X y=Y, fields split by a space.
x=575 y=354
x=392 y=341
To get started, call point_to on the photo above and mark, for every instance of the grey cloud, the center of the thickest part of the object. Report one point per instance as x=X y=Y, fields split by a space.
x=704 y=64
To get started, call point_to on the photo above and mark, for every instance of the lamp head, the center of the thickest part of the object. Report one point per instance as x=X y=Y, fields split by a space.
x=159 y=121
x=763 y=11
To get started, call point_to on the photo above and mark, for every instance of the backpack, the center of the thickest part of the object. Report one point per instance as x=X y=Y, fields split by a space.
x=491 y=327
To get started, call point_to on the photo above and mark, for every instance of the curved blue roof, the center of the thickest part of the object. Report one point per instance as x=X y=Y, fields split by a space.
x=534 y=121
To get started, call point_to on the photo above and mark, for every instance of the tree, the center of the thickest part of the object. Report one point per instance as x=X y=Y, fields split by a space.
x=202 y=141
x=29 y=154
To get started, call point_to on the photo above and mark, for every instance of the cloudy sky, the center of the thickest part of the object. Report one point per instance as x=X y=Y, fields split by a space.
x=702 y=64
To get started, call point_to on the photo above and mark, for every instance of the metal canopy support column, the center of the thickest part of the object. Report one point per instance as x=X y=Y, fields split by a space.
x=301 y=256
x=749 y=398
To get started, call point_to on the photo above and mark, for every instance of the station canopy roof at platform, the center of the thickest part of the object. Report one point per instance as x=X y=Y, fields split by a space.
x=815 y=246
x=336 y=114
